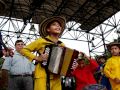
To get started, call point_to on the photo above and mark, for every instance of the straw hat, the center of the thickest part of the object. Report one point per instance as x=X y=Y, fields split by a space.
x=112 y=44
x=43 y=31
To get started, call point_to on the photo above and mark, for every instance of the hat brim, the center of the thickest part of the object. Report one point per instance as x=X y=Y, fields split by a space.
x=43 y=26
x=112 y=44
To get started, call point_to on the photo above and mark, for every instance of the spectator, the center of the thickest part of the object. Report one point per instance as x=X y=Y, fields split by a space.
x=19 y=69
x=1 y=53
x=112 y=67
x=84 y=72
x=3 y=73
x=102 y=79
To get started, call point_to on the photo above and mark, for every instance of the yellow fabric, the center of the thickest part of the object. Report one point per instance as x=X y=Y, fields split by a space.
x=40 y=84
x=38 y=45
x=112 y=71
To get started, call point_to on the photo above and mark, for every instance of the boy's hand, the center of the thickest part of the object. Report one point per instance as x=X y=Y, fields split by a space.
x=42 y=57
x=117 y=80
x=74 y=65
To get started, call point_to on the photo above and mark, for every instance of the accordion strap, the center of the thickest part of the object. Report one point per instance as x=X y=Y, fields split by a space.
x=47 y=78
x=59 y=42
x=46 y=67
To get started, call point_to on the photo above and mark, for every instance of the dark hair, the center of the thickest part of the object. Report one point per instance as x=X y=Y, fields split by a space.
x=101 y=57
x=115 y=45
x=48 y=25
x=18 y=41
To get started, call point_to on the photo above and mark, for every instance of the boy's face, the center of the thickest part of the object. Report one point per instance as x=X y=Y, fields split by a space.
x=54 y=28
x=115 y=50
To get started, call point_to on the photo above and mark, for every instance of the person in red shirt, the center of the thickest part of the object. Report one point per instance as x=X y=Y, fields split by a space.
x=84 y=72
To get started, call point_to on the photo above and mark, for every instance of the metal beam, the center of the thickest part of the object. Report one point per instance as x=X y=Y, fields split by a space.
x=11 y=8
x=33 y=6
x=60 y=7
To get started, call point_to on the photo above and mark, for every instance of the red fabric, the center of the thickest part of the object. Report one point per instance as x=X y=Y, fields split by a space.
x=84 y=76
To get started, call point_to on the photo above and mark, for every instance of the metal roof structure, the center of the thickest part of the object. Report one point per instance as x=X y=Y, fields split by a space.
x=85 y=14
x=89 y=13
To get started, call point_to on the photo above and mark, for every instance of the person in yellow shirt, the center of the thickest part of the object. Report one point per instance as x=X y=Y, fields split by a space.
x=50 y=31
x=112 y=67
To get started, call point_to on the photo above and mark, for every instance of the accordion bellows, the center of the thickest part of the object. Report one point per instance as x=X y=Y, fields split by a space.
x=61 y=60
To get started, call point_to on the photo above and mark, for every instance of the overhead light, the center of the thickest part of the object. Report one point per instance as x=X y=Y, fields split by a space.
x=32 y=28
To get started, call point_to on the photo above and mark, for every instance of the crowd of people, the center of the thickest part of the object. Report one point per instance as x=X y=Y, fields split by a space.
x=25 y=70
